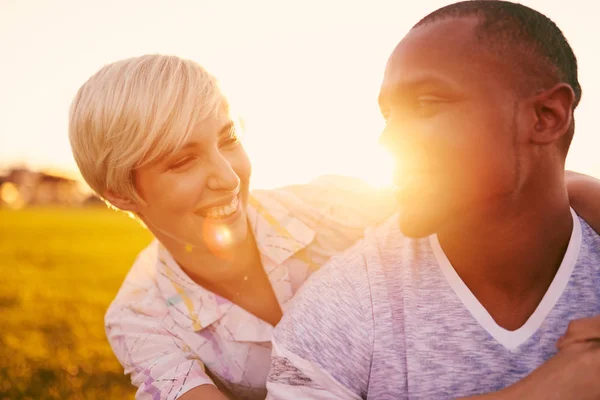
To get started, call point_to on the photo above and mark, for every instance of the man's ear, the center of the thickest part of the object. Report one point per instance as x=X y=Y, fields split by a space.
x=553 y=114
x=121 y=202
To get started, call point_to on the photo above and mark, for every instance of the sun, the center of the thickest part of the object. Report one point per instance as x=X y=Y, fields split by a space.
x=306 y=119
x=378 y=168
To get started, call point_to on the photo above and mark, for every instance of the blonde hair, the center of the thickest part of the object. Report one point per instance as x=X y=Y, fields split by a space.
x=134 y=112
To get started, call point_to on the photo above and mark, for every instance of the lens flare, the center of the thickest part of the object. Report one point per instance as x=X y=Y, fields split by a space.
x=218 y=239
x=223 y=236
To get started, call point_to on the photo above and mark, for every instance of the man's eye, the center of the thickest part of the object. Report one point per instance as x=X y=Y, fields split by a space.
x=385 y=113
x=427 y=105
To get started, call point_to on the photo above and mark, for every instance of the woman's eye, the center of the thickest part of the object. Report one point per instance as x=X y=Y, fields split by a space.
x=230 y=141
x=181 y=163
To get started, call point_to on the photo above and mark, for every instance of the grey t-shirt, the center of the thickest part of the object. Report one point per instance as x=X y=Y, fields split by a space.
x=391 y=319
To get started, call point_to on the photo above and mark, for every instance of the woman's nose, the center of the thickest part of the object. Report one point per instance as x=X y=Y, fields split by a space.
x=223 y=177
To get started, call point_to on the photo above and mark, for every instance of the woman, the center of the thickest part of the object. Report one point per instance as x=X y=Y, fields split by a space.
x=154 y=136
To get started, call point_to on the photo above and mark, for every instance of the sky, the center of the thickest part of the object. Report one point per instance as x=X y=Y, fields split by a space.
x=303 y=74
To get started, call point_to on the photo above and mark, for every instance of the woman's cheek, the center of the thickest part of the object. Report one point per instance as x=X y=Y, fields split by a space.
x=186 y=191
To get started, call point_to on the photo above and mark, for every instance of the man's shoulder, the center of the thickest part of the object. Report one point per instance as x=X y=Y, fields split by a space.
x=590 y=246
x=590 y=236
x=363 y=264
x=325 y=339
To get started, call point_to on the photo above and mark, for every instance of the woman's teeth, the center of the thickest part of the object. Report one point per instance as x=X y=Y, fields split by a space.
x=223 y=211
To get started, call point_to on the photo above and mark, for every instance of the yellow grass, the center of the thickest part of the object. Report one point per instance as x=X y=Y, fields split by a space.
x=59 y=270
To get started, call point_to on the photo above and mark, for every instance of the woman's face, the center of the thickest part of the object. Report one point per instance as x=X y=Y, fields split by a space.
x=198 y=196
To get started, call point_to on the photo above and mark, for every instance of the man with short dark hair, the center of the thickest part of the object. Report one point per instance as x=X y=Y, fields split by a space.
x=468 y=289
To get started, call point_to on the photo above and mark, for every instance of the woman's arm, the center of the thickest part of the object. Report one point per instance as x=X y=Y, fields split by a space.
x=337 y=208
x=159 y=363
x=584 y=195
x=204 y=392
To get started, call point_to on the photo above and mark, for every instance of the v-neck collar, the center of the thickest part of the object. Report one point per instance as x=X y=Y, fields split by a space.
x=513 y=339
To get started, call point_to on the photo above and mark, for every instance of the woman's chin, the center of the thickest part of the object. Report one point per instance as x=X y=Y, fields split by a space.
x=220 y=237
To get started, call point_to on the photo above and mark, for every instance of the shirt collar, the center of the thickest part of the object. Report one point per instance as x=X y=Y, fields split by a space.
x=279 y=235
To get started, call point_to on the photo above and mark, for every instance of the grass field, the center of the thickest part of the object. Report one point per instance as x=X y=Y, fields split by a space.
x=60 y=268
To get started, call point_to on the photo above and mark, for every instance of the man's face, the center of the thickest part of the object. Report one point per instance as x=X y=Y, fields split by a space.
x=450 y=124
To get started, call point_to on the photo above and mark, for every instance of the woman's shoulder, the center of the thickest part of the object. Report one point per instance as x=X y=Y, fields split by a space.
x=322 y=189
x=341 y=202
x=139 y=289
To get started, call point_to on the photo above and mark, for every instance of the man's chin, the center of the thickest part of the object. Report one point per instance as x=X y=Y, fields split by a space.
x=422 y=211
x=415 y=230
x=418 y=224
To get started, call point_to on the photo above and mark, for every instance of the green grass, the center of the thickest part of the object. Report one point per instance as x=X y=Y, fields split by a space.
x=59 y=271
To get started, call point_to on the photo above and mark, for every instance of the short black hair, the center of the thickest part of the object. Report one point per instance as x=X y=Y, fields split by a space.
x=530 y=39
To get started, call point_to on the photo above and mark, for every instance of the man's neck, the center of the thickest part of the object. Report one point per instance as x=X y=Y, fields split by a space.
x=514 y=251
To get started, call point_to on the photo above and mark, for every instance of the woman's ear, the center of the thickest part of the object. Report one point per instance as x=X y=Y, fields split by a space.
x=121 y=202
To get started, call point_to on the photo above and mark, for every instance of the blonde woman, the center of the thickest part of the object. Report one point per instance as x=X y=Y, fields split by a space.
x=154 y=136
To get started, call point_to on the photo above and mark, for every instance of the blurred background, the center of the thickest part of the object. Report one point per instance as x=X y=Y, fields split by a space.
x=305 y=77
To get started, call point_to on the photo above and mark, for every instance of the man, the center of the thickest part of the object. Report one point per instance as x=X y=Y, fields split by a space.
x=468 y=290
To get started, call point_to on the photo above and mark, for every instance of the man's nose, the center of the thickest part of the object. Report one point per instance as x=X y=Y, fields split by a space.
x=394 y=136
x=403 y=142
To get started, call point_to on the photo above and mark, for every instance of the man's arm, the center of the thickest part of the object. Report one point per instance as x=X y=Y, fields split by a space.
x=584 y=195
x=322 y=346
x=580 y=331
x=572 y=373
